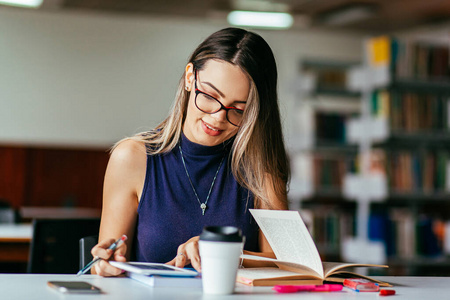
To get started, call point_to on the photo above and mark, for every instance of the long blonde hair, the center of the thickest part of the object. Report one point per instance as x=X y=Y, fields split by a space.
x=258 y=153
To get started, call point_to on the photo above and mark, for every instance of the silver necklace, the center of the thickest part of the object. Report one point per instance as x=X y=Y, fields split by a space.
x=202 y=205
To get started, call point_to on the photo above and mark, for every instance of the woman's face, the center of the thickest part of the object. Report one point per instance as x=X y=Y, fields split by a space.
x=225 y=82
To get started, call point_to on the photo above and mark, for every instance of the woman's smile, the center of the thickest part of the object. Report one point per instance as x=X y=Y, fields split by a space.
x=208 y=129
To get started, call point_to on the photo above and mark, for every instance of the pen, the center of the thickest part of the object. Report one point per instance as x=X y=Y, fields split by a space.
x=307 y=288
x=113 y=247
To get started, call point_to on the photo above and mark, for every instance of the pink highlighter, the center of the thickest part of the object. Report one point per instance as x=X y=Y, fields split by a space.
x=307 y=288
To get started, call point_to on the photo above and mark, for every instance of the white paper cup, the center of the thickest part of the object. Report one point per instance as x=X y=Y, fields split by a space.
x=220 y=249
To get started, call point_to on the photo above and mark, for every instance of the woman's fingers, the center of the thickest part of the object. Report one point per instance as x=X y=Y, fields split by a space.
x=101 y=250
x=103 y=268
x=172 y=262
x=120 y=251
x=196 y=264
x=193 y=253
x=188 y=253
x=181 y=260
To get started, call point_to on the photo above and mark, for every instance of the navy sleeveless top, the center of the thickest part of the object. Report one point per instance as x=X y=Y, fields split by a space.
x=169 y=213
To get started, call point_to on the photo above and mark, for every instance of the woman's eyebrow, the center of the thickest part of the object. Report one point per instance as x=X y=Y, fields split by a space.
x=219 y=92
x=214 y=88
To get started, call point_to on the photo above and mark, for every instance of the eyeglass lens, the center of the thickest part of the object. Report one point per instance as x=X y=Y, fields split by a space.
x=210 y=105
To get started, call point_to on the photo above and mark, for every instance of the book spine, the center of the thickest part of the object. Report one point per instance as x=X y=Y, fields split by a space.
x=407 y=236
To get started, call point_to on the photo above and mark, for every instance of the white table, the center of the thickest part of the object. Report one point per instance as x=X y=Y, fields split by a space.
x=16 y=231
x=33 y=286
x=15 y=242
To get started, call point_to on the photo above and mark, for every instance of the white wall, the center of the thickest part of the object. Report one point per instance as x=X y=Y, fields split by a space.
x=72 y=79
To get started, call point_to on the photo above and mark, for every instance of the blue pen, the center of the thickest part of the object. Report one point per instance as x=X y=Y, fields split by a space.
x=113 y=247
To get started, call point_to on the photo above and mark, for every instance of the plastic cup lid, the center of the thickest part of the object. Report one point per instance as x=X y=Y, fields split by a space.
x=221 y=234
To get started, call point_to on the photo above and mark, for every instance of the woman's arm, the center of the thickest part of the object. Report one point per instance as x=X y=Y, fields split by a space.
x=123 y=184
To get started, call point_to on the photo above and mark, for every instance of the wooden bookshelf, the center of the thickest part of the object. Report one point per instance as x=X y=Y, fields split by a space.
x=415 y=158
x=51 y=176
x=331 y=221
x=416 y=105
x=330 y=155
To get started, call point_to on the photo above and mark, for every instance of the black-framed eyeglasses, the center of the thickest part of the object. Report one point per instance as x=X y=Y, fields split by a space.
x=210 y=105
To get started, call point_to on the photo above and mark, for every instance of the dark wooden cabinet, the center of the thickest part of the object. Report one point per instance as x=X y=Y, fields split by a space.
x=35 y=176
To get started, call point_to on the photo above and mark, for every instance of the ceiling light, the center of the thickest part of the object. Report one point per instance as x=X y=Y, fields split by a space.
x=255 y=19
x=22 y=3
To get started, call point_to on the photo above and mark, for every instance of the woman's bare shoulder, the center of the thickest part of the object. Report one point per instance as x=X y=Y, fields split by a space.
x=126 y=169
x=129 y=155
x=129 y=150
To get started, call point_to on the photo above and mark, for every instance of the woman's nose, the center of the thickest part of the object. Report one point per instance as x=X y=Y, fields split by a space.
x=221 y=115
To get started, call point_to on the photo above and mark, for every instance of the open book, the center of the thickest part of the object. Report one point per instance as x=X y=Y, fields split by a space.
x=297 y=258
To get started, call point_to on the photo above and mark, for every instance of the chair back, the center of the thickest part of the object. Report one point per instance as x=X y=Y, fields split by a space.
x=86 y=244
x=8 y=214
x=55 y=244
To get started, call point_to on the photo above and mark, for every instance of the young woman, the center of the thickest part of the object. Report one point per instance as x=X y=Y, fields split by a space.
x=219 y=153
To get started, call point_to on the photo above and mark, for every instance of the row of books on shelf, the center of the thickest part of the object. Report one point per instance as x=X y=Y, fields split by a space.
x=408 y=60
x=416 y=59
x=329 y=170
x=412 y=112
x=427 y=172
x=404 y=234
x=328 y=76
x=407 y=171
x=331 y=78
x=407 y=236
x=408 y=113
x=329 y=227
x=330 y=127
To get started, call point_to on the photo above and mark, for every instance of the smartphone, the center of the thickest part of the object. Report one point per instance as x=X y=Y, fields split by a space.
x=74 y=287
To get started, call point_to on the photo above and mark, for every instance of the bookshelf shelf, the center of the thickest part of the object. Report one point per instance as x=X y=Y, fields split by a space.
x=435 y=85
x=328 y=192
x=336 y=201
x=320 y=64
x=425 y=266
x=409 y=139
x=334 y=147
x=420 y=196
x=443 y=261
x=439 y=138
x=336 y=92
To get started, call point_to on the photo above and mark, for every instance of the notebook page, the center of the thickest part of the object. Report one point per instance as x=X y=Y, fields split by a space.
x=289 y=237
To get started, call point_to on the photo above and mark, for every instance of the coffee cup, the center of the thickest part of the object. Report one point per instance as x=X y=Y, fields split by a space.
x=220 y=250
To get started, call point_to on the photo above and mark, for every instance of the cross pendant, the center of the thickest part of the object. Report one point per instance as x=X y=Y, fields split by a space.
x=203 y=207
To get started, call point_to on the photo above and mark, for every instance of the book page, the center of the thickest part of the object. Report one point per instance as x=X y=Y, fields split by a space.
x=289 y=238
x=255 y=257
x=342 y=275
x=331 y=268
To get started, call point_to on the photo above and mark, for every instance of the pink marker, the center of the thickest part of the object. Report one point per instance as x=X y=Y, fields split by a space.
x=307 y=288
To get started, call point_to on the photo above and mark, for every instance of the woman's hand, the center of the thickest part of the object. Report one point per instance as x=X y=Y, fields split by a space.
x=188 y=253
x=101 y=250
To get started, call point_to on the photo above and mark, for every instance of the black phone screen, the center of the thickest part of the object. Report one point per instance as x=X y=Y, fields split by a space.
x=74 y=287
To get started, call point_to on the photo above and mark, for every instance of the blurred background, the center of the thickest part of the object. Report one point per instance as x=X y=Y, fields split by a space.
x=363 y=91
